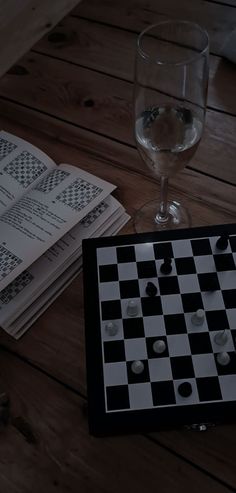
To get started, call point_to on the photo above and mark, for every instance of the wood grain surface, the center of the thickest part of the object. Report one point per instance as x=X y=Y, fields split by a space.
x=71 y=95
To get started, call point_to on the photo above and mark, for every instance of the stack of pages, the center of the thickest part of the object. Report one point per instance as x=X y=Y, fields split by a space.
x=46 y=210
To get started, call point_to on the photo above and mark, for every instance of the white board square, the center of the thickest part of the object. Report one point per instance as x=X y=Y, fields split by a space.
x=154 y=326
x=171 y=304
x=213 y=300
x=188 y=283
x=195 y=328
x=140 y=395
x=227 y=279
x=159 y=369
x=228 y=387
x=127 y=270
x=192 y=399
x=178 y=344
x=120 y=333
x=228 y=346
x=135 y=349
x=231 y=315
x=144 y=251
x=182 y=248
x=204 y=365
x=124 y=306
x=109 y=291
x=204 y=263
x=106 y=256
x=115 y=374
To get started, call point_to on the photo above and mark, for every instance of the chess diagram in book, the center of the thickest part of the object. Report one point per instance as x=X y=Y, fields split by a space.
x=160 y=326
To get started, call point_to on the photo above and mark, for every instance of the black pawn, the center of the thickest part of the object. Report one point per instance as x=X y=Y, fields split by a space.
x=222 y=242
x=185 y=389
x=166 y=267
x=151 y=289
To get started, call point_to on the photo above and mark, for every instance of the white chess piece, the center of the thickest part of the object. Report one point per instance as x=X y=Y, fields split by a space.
x=198 y=317
x=111 y=328
x=221 y=338
x=159 y=346
x=137 y=367
x=132 y=308
x=223 y=358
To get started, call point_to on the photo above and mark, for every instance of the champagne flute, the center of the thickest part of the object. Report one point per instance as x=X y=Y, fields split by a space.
x=170 y=93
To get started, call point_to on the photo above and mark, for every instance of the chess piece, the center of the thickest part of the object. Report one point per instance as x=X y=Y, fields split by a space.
x=185 y=389
x=198 y=317
x=111 y=328
x=151 y=289
x=132 y=308
x=137 y=367
x=221 y=338
x=223 y=358
x=159 y=346
x=166 y=267
x=222 y=242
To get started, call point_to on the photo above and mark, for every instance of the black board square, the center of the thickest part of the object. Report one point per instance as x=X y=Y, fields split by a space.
x=146 y=269
x=229 y=369
x=129 y=289
x=217 y=320
x=208 y=281
x=200 y=342
x=191 y=302
x=133 y=328
x=224 y=261
x=117 y=397
x=182 y=367
x=175 y=324
x=232 y=241
x=111 y=310
x=163 y=250
x=138 y=377
x=108 y=273
x=229 y=296
x=185 y=265
x=125 y=254
x=114 y=351
x=151 y=353
x=201 y=247
x=163 y=393
x=169 y=285
x=151 y=306
x=209 y=389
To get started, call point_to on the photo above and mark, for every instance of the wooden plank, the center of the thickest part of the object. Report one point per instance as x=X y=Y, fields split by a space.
x=77 y=95
x=46 y=446
x=218 y=20
x=23 y=23
x=85 y=43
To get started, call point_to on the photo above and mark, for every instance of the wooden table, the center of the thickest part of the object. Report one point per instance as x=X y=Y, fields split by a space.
x=72 y=96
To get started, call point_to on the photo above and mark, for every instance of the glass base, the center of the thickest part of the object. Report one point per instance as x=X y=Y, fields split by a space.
x=146 y=219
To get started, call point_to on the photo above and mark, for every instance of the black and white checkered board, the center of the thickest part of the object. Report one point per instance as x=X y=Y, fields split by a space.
x=117 y=270
x=25 y=168
x=52 y=180
x=79 y=194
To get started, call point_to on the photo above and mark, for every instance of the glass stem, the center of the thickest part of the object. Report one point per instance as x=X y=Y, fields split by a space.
x=162 y=214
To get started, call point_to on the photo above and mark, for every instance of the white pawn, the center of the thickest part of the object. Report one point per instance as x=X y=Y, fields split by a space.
x=198 y=317
x=221 y=338
x=137 y=367
x=223 y=358
x=132 y=308
x=111 y=328
x=159 y=346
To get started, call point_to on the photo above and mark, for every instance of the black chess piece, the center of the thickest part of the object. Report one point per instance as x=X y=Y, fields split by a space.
x=185 y=389
x=151 y=289
x=166 y=267
x=222 y=242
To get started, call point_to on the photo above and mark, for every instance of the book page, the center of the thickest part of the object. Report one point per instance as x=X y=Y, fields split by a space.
x=40 y=218
x=22 y=165
x=23 y=290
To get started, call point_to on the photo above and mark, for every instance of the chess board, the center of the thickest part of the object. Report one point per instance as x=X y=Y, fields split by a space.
x=117 y=270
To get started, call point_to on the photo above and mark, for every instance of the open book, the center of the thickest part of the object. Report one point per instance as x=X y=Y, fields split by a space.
x=46 y=210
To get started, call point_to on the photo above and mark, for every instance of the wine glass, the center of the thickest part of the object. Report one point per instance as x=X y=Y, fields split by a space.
x=170 y=93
